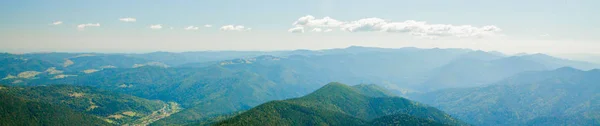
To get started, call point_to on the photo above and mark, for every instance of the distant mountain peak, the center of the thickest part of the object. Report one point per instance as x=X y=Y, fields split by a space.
x=567 y=69
x=362 y=48
x=357 y=47
x=267 y=57
x=250 y=60
x=520 y=54
x=540 y=55
x=481 y=55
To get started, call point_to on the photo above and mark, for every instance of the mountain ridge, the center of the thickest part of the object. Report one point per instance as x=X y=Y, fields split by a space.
x=561 y=96
x=337 y=99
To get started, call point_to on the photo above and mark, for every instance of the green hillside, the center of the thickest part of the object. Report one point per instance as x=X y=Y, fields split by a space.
x=372 y=90
x=112 y=107
x=17 y=111
x=339 y=104
x=204 y=92
x=277 y=113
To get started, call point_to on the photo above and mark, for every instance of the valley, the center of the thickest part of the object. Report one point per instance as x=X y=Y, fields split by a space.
x=166 y=111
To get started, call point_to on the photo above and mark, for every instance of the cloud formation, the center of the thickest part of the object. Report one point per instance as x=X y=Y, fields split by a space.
x=191 y=28
x=156 y=26
x=83 y=26
x=312 y=22
x=208 y=26
x=296 y=30
x=415 y=28
x=56 y=23
x=234 y=28
x=317 y=30
x=127 y=19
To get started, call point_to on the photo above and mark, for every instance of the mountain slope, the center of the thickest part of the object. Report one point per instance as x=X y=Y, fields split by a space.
x=399 y=69
x=13 y=66
x=204 y=92
x=216 y=86
x=479 y=68
x=19 y=111
x=563 y=96
x=234 y=92
x=554 y=62
x=466 y=72
x=337 y=104
x=403 y=120
x=113 y=107
x=285 y=113
x=101 y=61
x=117 y=108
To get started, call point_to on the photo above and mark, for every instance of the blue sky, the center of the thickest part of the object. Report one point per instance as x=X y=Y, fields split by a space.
x=549 y=26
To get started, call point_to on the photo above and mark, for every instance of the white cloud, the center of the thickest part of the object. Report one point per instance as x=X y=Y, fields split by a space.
x=328 y=30
x=83 y=26
x=208 y=26
x=310 y=21
x=156 y=26
x=127 y=19
x=56 y=23
x=192 y=28
x=234 y=28
x=545 y=35
x=296 y=30
x=415 y=28
x=317 y=30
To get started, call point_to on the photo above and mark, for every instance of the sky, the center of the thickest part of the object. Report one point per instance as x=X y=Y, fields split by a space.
x=138 y=26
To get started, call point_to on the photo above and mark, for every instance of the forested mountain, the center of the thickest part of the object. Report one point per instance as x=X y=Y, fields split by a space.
x=112 y=107
x=565 y=96
x=204 y=92
x=18 y=111
x=403 y=120
x=479 y=71
x=399 y=69
x=339 y=104
x=213 y=84
x=176 y=59
x=98 y=62
x=554 y=62
x=13 y=65
x=403 y=70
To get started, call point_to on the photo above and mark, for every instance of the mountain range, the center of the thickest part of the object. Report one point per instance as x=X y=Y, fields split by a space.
x=201 y=87
x=565 y=96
